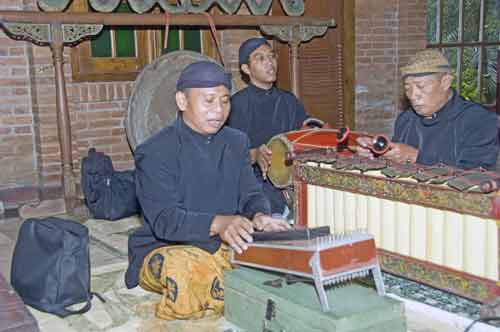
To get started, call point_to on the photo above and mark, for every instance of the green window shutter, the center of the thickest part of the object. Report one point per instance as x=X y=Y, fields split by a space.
x=124 y=39
x=125 y=42
x=101 y=46
x=192 y=39
x=173 y=39
x=125 y=36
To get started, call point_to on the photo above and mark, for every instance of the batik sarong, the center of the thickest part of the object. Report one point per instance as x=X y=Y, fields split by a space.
x=190 y=280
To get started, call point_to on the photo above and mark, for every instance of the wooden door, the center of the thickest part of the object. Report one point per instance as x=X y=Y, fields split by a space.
x=326 y=74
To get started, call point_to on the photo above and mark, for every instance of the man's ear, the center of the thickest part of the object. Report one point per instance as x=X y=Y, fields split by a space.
x=245 y=69
x=446 y=81
x=181 y=100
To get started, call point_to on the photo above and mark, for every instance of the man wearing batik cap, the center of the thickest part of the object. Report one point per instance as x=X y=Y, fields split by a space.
x=262 y=110
x=198 y=193
x=440 y=126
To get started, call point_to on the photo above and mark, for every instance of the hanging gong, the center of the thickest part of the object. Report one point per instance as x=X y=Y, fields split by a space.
x=152 y=102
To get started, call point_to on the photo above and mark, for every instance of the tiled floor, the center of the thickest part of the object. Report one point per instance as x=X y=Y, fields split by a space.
x=132 y=310
x=125 y=310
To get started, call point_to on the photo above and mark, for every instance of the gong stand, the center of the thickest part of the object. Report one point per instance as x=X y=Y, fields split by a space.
x=59 y=29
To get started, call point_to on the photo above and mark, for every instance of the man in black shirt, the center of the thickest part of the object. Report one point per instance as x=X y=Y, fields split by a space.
x=262 y=110
x=198 y=193
x=440 y=126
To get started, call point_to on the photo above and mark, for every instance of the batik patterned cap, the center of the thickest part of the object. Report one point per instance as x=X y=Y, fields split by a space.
x=425 y=63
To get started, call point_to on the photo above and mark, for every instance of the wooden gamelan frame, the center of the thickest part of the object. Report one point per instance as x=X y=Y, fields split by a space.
x=473 y=204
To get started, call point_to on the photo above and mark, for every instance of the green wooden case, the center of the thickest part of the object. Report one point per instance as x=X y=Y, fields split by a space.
x=257 y=307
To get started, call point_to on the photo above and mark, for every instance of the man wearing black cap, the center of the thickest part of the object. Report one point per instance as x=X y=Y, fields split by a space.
x=198 y=193
x=440 y=126
x=262 y=110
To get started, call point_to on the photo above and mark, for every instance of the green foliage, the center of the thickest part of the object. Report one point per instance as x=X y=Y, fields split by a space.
x=470 y=59
x=469 y=85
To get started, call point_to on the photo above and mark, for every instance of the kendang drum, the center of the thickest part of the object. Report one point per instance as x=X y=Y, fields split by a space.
x=286 y=146
x=313 y=141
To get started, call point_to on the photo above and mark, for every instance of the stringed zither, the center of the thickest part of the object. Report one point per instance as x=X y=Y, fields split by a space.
x=315 y=254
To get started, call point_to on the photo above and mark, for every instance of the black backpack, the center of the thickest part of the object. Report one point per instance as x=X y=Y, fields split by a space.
x=109 y=194
x=51 y=265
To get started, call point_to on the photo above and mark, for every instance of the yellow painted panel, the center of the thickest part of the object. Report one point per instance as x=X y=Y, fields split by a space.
x=374 y=215
x=474 y=245
x=418 y=229
x=461 y=242
x=402 y=228
x=350 y=211
x=328 y=217
x=492 y=250
x=362 y=212
x=453 y=248
x=436 y=232
x=339 y=212
x=388 y=222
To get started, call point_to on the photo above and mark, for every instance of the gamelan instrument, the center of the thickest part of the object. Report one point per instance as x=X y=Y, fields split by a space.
x=289 y=146
x=324 y=259
x=437 y=225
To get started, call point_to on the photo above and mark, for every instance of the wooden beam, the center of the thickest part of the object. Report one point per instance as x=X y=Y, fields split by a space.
x=34 y=17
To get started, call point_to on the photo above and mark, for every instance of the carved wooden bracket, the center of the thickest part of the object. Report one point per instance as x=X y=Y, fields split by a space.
x=40 y=34
x=295 y=34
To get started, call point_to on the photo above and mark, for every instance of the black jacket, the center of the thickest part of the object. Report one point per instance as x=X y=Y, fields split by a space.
x=461 y=134
x=184 y=179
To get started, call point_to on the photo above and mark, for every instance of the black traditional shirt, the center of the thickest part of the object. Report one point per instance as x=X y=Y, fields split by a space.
x=262 y=114
x=461 y=134
x=184 y=179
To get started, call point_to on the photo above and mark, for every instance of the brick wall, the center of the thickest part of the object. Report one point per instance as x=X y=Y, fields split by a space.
x=386 y=33
x=29 y=145
x=19 y=172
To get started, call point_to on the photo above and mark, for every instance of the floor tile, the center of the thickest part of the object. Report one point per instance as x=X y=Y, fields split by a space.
x=128 y=310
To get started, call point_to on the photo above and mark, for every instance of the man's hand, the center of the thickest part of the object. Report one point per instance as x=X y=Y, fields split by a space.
x=234 y=230
x=263 y=158
x=398 y=152
x=402 y=153
x=266 y=223
x=364 y=147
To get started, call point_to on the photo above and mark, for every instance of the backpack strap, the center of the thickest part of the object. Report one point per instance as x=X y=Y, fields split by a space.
x=64 y=311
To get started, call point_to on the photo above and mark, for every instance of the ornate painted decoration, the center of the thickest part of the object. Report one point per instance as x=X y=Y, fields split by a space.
x=35 y=33
x=459 y=284
x=40 y=34
x=289 y=34
x=256 y=7
x=75 y=32
x=434 y=196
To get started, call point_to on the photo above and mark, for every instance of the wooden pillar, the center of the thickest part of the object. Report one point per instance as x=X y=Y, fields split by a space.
x=63 y=120
x=498 y=82
x=340 y=87
x=295 y=74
